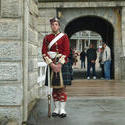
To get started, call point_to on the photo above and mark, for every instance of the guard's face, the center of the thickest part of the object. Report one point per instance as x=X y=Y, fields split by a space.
x=55 y=27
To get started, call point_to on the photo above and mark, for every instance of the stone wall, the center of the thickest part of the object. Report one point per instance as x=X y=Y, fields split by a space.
x=11 y=77
x=32 y=53
x=18 y=26
x=122 y=66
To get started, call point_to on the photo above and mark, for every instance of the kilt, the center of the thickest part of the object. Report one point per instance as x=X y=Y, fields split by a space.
x=66 y=75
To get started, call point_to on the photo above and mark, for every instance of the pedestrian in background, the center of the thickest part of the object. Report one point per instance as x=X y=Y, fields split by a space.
x=70 y=62
x=101 y=50
x=75 y=56
x=106 y=58
x=91 y=60
x=82 y=58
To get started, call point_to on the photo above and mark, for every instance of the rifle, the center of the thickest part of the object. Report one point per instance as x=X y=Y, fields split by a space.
x=49 y=94
x=49 y=91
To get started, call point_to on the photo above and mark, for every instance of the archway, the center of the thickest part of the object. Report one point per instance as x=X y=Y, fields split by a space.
x=96 y=24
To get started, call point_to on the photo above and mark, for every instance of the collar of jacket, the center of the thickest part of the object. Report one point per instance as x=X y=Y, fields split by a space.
x=56 y=33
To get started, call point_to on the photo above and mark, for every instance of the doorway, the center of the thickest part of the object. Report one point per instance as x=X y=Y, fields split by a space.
x=94 y=24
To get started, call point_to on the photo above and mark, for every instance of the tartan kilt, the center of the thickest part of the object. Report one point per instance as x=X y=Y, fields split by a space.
x=66 y=75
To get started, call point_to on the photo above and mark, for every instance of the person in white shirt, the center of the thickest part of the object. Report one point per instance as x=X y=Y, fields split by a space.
x=106 y=58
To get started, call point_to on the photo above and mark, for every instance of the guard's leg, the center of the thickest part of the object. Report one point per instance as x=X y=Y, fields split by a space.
x=63 y=99
x=56 y=103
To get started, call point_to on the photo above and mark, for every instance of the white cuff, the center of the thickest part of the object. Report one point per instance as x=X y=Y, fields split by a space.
x=48 y=60
x=62 y=59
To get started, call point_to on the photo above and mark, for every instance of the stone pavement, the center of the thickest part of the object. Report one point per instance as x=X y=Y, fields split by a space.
x=83 y=111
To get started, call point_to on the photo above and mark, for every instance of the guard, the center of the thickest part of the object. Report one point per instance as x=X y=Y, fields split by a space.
x=55 y=52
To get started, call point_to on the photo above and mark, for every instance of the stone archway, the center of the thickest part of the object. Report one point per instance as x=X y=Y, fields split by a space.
x=96 y=24
x=109 y=17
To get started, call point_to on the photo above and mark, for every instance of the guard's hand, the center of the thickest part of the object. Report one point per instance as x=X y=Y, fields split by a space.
x=58 y=67
x=53 y=67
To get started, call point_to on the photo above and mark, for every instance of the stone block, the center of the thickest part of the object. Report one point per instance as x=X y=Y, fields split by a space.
x=10 y=29
x=36 y=1
x=33 y=37
x=11 y=113
x=10 y=71
x=33 y=64
x=48 y=12
x=43 y=21
x=33 y=7
x=123 y=20
x=3 y=121
x=12 y=122
x=33 y=93
x=43 y=91
x=122 y=66
x=40 y=39
x=10 y=51
x=31 y=105
x=32 y=50
x=11 y=8
x=40 y=59
x=33 y=76
x=44 y=28
x=33 y=21
x=10 y=95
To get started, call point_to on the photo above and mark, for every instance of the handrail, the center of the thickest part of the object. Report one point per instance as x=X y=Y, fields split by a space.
x=42 y=66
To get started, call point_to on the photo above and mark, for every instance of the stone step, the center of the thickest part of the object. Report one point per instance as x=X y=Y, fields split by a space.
x=96 y=88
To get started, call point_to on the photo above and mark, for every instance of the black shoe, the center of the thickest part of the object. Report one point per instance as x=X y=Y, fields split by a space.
x=63 y=115
x=54 y=114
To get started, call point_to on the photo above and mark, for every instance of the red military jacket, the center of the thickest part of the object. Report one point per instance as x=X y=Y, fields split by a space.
x=61 y=46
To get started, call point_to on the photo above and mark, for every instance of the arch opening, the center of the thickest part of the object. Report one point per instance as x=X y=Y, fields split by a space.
x=94 y=24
